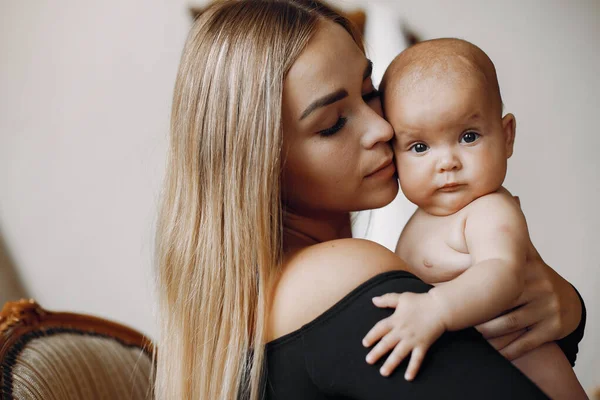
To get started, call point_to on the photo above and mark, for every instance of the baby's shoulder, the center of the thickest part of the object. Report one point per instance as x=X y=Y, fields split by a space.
x=495 y=202
x=495 y=211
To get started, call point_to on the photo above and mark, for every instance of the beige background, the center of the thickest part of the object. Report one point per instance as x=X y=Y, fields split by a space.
x=84 y=107
x=10 y=284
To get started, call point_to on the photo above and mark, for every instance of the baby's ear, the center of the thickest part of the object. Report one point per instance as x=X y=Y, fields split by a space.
x=509 y=127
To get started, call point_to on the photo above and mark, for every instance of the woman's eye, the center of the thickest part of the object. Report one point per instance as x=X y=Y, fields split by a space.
x=371 y=95
x=335 y=128
x=419 y=148
x=469 y=137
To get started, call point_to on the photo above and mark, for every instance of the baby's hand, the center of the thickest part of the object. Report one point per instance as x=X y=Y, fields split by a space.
x=414 y=326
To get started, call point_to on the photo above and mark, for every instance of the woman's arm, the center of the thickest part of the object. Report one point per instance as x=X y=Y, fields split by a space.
x=549 y=309
x=313 y=293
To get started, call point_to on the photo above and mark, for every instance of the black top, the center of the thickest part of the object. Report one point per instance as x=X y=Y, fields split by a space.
x=325 y=358
x=570 y=344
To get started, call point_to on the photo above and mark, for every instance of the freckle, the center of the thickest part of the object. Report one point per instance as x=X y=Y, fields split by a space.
x=427 y=264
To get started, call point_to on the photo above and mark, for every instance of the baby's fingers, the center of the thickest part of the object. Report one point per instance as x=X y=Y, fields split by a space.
x=395 y=358
x=383 y=347
x=388 y=300
x=377 y=332
x=416 y=359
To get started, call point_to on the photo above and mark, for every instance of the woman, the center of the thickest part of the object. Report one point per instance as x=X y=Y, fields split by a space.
x=277 y=134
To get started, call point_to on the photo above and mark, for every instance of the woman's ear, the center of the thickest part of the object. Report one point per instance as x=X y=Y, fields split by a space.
x=509 y=127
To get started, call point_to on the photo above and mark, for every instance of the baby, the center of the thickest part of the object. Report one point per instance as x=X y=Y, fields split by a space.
x=468 y=237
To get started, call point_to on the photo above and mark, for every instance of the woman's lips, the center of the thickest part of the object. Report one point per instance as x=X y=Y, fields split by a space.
x=383 y=171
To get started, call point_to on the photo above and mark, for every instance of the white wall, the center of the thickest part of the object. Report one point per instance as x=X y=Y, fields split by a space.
x=84 y=111
x=84 y=107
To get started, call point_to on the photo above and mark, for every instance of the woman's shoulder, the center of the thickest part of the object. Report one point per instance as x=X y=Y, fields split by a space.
x=343 y=254
x=317 y=277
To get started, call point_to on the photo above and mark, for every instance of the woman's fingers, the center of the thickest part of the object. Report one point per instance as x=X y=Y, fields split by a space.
x=383 y=347
x=501 y=342
x=377 y=332
x=514 y=321
x=416 y=359
x=395 y=358
x=388 y=300
x=528 y=341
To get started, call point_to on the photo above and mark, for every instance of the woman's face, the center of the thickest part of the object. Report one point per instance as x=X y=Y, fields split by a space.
x=337 y=155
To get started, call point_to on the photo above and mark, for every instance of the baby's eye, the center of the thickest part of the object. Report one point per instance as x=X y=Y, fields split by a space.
x=469 y=137
x=419 y=148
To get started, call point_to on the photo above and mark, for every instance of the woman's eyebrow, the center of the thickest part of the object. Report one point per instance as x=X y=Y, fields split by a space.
x=324 y=101
x=335 y=96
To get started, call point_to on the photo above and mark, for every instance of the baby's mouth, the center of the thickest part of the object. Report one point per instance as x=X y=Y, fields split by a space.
x=451 y=187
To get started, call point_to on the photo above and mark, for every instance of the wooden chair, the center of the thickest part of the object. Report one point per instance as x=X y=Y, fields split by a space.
x=66 y=356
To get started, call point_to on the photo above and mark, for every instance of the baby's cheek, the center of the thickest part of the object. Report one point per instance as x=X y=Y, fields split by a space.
x=413 y=180
x=490 y=170
x=403 y=168
x=395 y=147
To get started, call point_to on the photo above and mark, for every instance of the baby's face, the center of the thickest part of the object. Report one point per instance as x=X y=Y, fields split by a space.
x=451 y=144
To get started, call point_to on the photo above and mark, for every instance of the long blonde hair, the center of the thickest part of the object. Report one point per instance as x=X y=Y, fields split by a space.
x=219 y=240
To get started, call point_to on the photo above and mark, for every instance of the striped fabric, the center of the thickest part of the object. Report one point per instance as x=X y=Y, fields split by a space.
x=71 y=365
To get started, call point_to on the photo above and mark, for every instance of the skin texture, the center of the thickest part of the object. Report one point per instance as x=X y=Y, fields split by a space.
x=469 y=238
x=327 y=177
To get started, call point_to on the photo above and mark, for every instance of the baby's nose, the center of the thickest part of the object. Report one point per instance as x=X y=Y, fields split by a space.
x=448 y=162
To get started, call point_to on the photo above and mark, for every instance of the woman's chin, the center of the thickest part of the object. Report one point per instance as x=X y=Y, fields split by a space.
x=382 y=195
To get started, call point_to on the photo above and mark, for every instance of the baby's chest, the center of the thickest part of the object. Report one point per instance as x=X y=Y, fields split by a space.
x=439 y=249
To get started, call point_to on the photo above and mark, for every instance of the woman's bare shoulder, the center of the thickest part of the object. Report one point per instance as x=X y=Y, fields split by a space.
x=317 y=277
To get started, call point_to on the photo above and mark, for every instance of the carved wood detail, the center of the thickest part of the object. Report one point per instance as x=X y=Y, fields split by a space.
x=24 y=316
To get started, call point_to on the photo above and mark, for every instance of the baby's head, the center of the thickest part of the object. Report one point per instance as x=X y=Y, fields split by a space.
x=451 y=142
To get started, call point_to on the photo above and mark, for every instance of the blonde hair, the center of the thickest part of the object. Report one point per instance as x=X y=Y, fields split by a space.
x=219 y=240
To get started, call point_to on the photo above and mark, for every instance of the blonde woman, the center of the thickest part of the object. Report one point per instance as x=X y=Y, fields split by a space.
x=276 y=136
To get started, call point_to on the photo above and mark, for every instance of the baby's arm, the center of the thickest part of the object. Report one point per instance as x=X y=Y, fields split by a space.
x=496 y=236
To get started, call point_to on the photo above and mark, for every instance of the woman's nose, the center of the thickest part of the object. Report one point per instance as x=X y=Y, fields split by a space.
x=376 y=129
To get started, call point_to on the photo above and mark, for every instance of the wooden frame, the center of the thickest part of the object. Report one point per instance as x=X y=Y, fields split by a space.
x=24 y=317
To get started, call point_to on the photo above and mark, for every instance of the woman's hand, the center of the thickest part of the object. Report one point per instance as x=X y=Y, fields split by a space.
x=547 y=310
